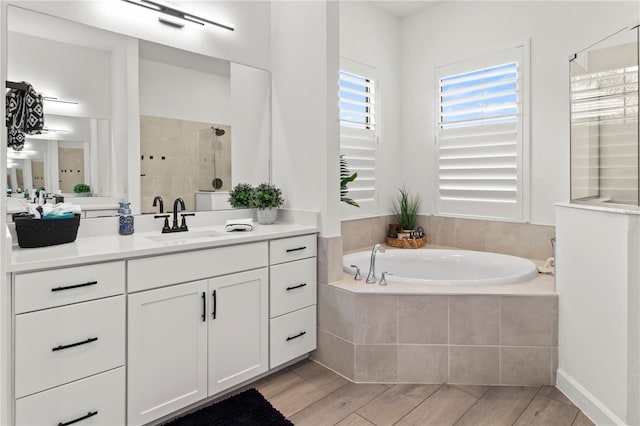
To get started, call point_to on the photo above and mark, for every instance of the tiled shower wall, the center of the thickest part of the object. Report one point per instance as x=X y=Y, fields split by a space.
x=518 y=239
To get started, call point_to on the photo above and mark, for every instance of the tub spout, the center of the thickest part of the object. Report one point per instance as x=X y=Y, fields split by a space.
x=371 y=277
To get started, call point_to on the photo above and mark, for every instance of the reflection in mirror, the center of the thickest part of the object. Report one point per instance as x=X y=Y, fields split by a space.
x=205 y=131
x=70 y=65
x=118 y=85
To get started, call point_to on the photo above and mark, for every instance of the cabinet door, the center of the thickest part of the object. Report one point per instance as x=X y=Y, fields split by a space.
x=238 y=328
x=167 y=364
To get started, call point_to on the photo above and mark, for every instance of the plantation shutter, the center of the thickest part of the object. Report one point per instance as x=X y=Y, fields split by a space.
x=358 y=140
x=479 y=138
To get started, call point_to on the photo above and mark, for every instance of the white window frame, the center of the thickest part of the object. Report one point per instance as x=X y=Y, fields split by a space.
x=487 y=209
x=368 y=207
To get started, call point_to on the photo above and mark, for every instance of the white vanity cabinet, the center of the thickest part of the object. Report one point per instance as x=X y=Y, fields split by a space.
x=69 y=351
x=167 y=350
x=128 y=342
x=188 y=341
x=292 y=298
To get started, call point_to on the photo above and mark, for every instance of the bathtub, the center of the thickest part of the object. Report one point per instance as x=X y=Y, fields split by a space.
x=445 y=267
x=446 y=316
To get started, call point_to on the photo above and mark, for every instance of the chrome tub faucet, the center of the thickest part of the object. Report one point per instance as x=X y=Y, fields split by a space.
x=371 y=277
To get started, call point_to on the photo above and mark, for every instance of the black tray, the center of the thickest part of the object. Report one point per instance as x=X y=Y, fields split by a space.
x=46 y=232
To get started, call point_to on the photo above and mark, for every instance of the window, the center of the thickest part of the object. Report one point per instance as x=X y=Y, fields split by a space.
x=358 y=137
x=481 y=148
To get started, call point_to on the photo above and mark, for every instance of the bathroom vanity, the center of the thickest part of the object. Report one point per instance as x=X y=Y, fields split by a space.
x=131 y=329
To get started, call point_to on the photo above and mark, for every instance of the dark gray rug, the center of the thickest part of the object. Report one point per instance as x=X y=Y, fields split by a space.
x=248 y=408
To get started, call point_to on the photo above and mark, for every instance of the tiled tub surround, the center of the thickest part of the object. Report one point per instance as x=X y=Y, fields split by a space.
x=496 y=335
x=517 y=239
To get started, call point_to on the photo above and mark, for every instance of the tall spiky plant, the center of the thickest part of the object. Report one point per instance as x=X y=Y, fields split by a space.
x=405 y=208
x=345 y=179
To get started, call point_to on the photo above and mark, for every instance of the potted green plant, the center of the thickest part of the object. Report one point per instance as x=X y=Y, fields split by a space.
x=82 y=190
x=267 y=198
x=241 y=196
x=405 y=209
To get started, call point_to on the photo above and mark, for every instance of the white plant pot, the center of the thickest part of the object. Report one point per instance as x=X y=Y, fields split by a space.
x=267 y=216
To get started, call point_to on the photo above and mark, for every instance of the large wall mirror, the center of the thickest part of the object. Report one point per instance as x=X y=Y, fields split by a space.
x=204 y=123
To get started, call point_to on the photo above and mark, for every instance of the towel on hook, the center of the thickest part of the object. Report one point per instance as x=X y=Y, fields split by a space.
x=239 y=225
x=24 y=115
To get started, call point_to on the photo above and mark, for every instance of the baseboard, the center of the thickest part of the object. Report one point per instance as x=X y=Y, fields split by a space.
x=585 y=401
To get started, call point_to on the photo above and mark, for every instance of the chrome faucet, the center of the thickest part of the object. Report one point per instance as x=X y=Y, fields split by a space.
x=371 y=277
x=157 y=200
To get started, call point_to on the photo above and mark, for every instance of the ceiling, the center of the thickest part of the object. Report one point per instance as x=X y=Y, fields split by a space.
x=404 y=8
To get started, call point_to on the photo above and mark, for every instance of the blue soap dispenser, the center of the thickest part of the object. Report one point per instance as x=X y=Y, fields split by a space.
x=125 y=218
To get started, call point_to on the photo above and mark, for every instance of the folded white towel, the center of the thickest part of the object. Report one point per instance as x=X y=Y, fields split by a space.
x=239 y=225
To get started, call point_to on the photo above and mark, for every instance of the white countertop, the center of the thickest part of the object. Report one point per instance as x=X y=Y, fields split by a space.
x=101 y=248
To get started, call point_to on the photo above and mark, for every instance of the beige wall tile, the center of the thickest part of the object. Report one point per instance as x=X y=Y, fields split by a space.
x=441 y=231
x=470 y=234
x=474 y=320
x=375 y=319
x=423 y=363
x=336 y=312
x=356 y=234
x=423 y=319
x=329 y=259
x=527 y=321
x=504 y=237
x=376 y=363
x=554 y=327
x=477 y=365
x=537 y=241
x=554 y=364
x=379 y=229
x=335 y=353
x=525 y=366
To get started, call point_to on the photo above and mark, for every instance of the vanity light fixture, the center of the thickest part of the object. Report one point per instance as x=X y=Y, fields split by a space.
x=176 y=13
x=54 y=99
x=49 y=130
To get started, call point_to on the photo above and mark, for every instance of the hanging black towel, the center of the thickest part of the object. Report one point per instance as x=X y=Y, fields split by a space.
x=14 y=102
x=33 y=112
x=24 y=115
x=15 y=139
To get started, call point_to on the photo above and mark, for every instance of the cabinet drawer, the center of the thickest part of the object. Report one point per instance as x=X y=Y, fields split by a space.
x=292 y=286
x=102 y=394
x=56 y=346
x=159 y=271
x=292 y=335
x=46 y=289
x=294 y=248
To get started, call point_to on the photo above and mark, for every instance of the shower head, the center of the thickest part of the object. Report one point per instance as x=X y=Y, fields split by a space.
x=218 y=131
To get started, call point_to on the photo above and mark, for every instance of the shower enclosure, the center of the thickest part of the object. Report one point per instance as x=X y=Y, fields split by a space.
x=604 y=121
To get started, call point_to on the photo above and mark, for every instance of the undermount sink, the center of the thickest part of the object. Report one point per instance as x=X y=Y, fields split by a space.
x=185 y=236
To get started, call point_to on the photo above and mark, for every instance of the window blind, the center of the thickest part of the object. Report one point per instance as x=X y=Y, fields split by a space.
x=479 y=138
x=358 y=140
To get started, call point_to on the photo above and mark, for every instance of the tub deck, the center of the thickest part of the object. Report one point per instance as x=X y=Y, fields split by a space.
x=543 y=284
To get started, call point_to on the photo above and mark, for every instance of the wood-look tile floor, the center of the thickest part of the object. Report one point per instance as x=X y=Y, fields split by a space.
x=309 y=394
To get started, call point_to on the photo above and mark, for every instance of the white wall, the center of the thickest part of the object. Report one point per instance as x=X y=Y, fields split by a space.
x=183 y=94
x=62 y=70
x=371 y=36
x=452 y=31
x=598 y=335
x=304 y=62
x=249 y=44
